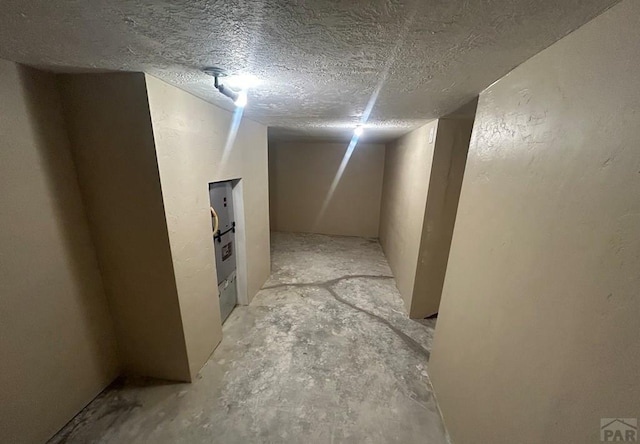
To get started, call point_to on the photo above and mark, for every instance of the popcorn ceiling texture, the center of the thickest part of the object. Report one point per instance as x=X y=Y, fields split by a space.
x=321 y=61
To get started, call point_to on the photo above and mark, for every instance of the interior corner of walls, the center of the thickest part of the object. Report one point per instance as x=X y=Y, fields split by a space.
x=407 y=169
x=115 y=151
x=51 y=277
x=582 y=146
x=447 y=170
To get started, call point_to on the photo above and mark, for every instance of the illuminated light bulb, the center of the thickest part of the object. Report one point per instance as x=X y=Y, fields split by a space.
x=241 y=101
x=242 y=81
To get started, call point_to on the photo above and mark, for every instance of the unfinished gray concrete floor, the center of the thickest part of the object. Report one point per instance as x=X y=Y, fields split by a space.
x=324 y=354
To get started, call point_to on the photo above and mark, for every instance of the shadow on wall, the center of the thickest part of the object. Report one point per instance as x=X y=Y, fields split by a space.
x=49 y=128
x=423 y=175
x=56 y=333
x=445 y=183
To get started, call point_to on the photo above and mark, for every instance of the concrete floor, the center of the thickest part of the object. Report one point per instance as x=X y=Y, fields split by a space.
x=324 y=354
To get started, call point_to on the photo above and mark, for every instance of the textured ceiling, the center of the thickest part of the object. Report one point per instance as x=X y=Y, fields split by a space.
x=320 y=62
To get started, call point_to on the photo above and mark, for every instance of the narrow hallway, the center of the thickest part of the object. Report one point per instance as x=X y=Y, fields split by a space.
x=324 y=353
x=236 y=222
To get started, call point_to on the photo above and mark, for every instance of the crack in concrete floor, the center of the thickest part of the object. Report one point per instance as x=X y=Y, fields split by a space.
x=299 y=365
x=328 y=286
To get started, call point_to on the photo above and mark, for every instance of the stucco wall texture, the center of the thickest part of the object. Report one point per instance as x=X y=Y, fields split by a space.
x=407 y=170
x=57 y=345
x=422 y=178
x=146 y=152
x=537 y=336
x=111 y=137
x=191 y=144
x=445 y=182
x=301 y=175
x=122 y=162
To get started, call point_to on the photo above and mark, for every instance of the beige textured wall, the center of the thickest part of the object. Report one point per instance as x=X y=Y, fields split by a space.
x=404 y=196
x=190 y=136
x=112 y=140
x=57 y=346
x=538 y=333
x=445 y=182
x=300 y=179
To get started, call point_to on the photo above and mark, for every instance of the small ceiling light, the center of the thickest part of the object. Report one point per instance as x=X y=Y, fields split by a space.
x=358 y=131
x=239 y=98
x=242 y=81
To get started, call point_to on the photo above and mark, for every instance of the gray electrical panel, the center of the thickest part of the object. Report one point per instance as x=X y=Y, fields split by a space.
x=224 y=240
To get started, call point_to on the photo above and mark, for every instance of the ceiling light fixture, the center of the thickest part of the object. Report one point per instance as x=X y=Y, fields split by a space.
x=239 y=98
x=241 y=101
x=358 y=131
x=242 y=81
